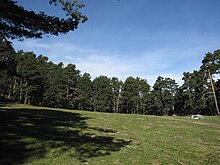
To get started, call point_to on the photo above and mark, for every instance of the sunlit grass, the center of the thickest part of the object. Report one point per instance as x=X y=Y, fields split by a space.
x=38 y=135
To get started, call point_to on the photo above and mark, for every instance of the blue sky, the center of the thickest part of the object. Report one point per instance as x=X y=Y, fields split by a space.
x=144 y=38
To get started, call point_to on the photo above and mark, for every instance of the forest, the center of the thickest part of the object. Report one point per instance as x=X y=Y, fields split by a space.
x=31 y=79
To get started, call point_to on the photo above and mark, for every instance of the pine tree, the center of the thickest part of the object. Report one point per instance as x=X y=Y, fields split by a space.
x=18 y=22
x=164 y=91
x=102 y=94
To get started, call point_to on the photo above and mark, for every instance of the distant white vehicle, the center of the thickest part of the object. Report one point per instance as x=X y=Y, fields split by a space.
x=197 y=117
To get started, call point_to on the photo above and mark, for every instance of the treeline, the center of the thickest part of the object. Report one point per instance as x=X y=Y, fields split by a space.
x=30 y=79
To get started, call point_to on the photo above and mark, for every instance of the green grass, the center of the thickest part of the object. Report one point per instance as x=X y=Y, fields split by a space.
x=45 y=136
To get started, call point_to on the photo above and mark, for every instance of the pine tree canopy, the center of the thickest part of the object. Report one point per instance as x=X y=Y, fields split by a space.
x=18 y=23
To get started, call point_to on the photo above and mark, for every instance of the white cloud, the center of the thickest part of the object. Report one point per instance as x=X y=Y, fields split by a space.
x=53 y=50
x=106 y=65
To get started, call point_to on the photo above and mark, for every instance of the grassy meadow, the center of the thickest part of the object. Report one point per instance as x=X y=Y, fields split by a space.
x=43 y=136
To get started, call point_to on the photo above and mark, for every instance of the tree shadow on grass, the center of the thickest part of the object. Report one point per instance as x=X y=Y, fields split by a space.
x=29 y=133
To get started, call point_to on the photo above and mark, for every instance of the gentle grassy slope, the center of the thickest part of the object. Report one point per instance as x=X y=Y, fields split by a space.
x=34 y=135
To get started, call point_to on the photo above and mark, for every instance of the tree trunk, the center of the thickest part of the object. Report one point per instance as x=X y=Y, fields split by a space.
x=10 y=90
x=213 y=89
x=26 y=94
x=114 y=104
x=117 y=103
x=14 y=85
x=21 y=91
x=127 y=108
x=15 y=82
